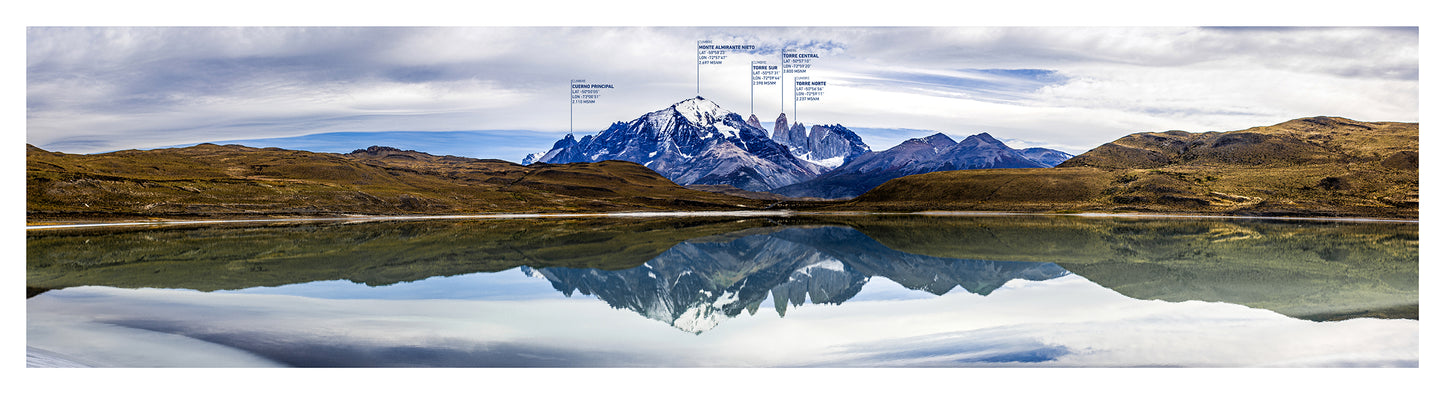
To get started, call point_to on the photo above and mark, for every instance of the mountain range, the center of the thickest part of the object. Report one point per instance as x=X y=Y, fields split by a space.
x=1320 y=166
x=697 y=142
x=937 y=152
x=692 y=142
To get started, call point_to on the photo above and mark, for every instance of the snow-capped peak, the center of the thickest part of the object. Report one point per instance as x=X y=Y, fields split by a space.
x=727 y=131
x=533 y=157
x=982 y=140
x=698 y=110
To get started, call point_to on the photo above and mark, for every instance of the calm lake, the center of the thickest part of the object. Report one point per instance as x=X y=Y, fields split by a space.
x=823 y=290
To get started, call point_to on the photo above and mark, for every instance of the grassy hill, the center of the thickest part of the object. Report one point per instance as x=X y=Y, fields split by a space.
x=1304 y=167
x=229 y=181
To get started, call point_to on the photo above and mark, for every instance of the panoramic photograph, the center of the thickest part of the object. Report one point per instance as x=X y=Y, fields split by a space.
x=735 y=197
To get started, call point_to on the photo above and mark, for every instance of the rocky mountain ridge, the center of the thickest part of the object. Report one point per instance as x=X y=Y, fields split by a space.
x=697 y=142
x=692 y=142
x=933 y=153
x=829 y=146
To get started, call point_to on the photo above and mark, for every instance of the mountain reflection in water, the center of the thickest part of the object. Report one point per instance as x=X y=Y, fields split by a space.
x=700 y=282
x=1315 y=270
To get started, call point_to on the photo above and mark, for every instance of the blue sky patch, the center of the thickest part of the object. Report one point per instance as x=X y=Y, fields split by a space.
x=509 y=145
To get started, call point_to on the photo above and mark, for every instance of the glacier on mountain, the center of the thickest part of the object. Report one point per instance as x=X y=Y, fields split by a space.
x=694 y=141
x=828 y=146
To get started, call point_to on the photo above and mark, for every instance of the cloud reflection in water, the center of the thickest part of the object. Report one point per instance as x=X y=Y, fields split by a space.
x=1067 y=321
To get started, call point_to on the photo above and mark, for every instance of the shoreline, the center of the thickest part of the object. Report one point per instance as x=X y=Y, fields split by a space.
x=365 y=218
x=1173 y=216
x=749 y=213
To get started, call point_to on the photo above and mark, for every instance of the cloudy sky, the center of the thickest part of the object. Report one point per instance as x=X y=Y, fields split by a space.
x=102 y=89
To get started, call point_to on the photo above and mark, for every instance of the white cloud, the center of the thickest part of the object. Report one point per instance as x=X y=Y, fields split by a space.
x=96 y=89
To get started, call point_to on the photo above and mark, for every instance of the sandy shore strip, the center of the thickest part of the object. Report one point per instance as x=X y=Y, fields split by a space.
x=423 y=217
x=699 y=214
x=1166 y=216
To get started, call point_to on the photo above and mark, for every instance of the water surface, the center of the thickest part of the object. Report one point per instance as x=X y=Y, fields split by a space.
x=875 y=290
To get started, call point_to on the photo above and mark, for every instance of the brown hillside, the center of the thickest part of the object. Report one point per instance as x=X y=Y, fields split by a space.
x=1014 y=189
x=226 y=181
x=1318 y=140
x=1304 y=167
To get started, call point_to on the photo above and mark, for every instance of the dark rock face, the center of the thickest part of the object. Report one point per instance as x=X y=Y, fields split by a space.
x=375 y=150
x=937 y=152
x=797 y=135
x=692 y=142
x=833 y=145
x=829 y=146
x=781 y=133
